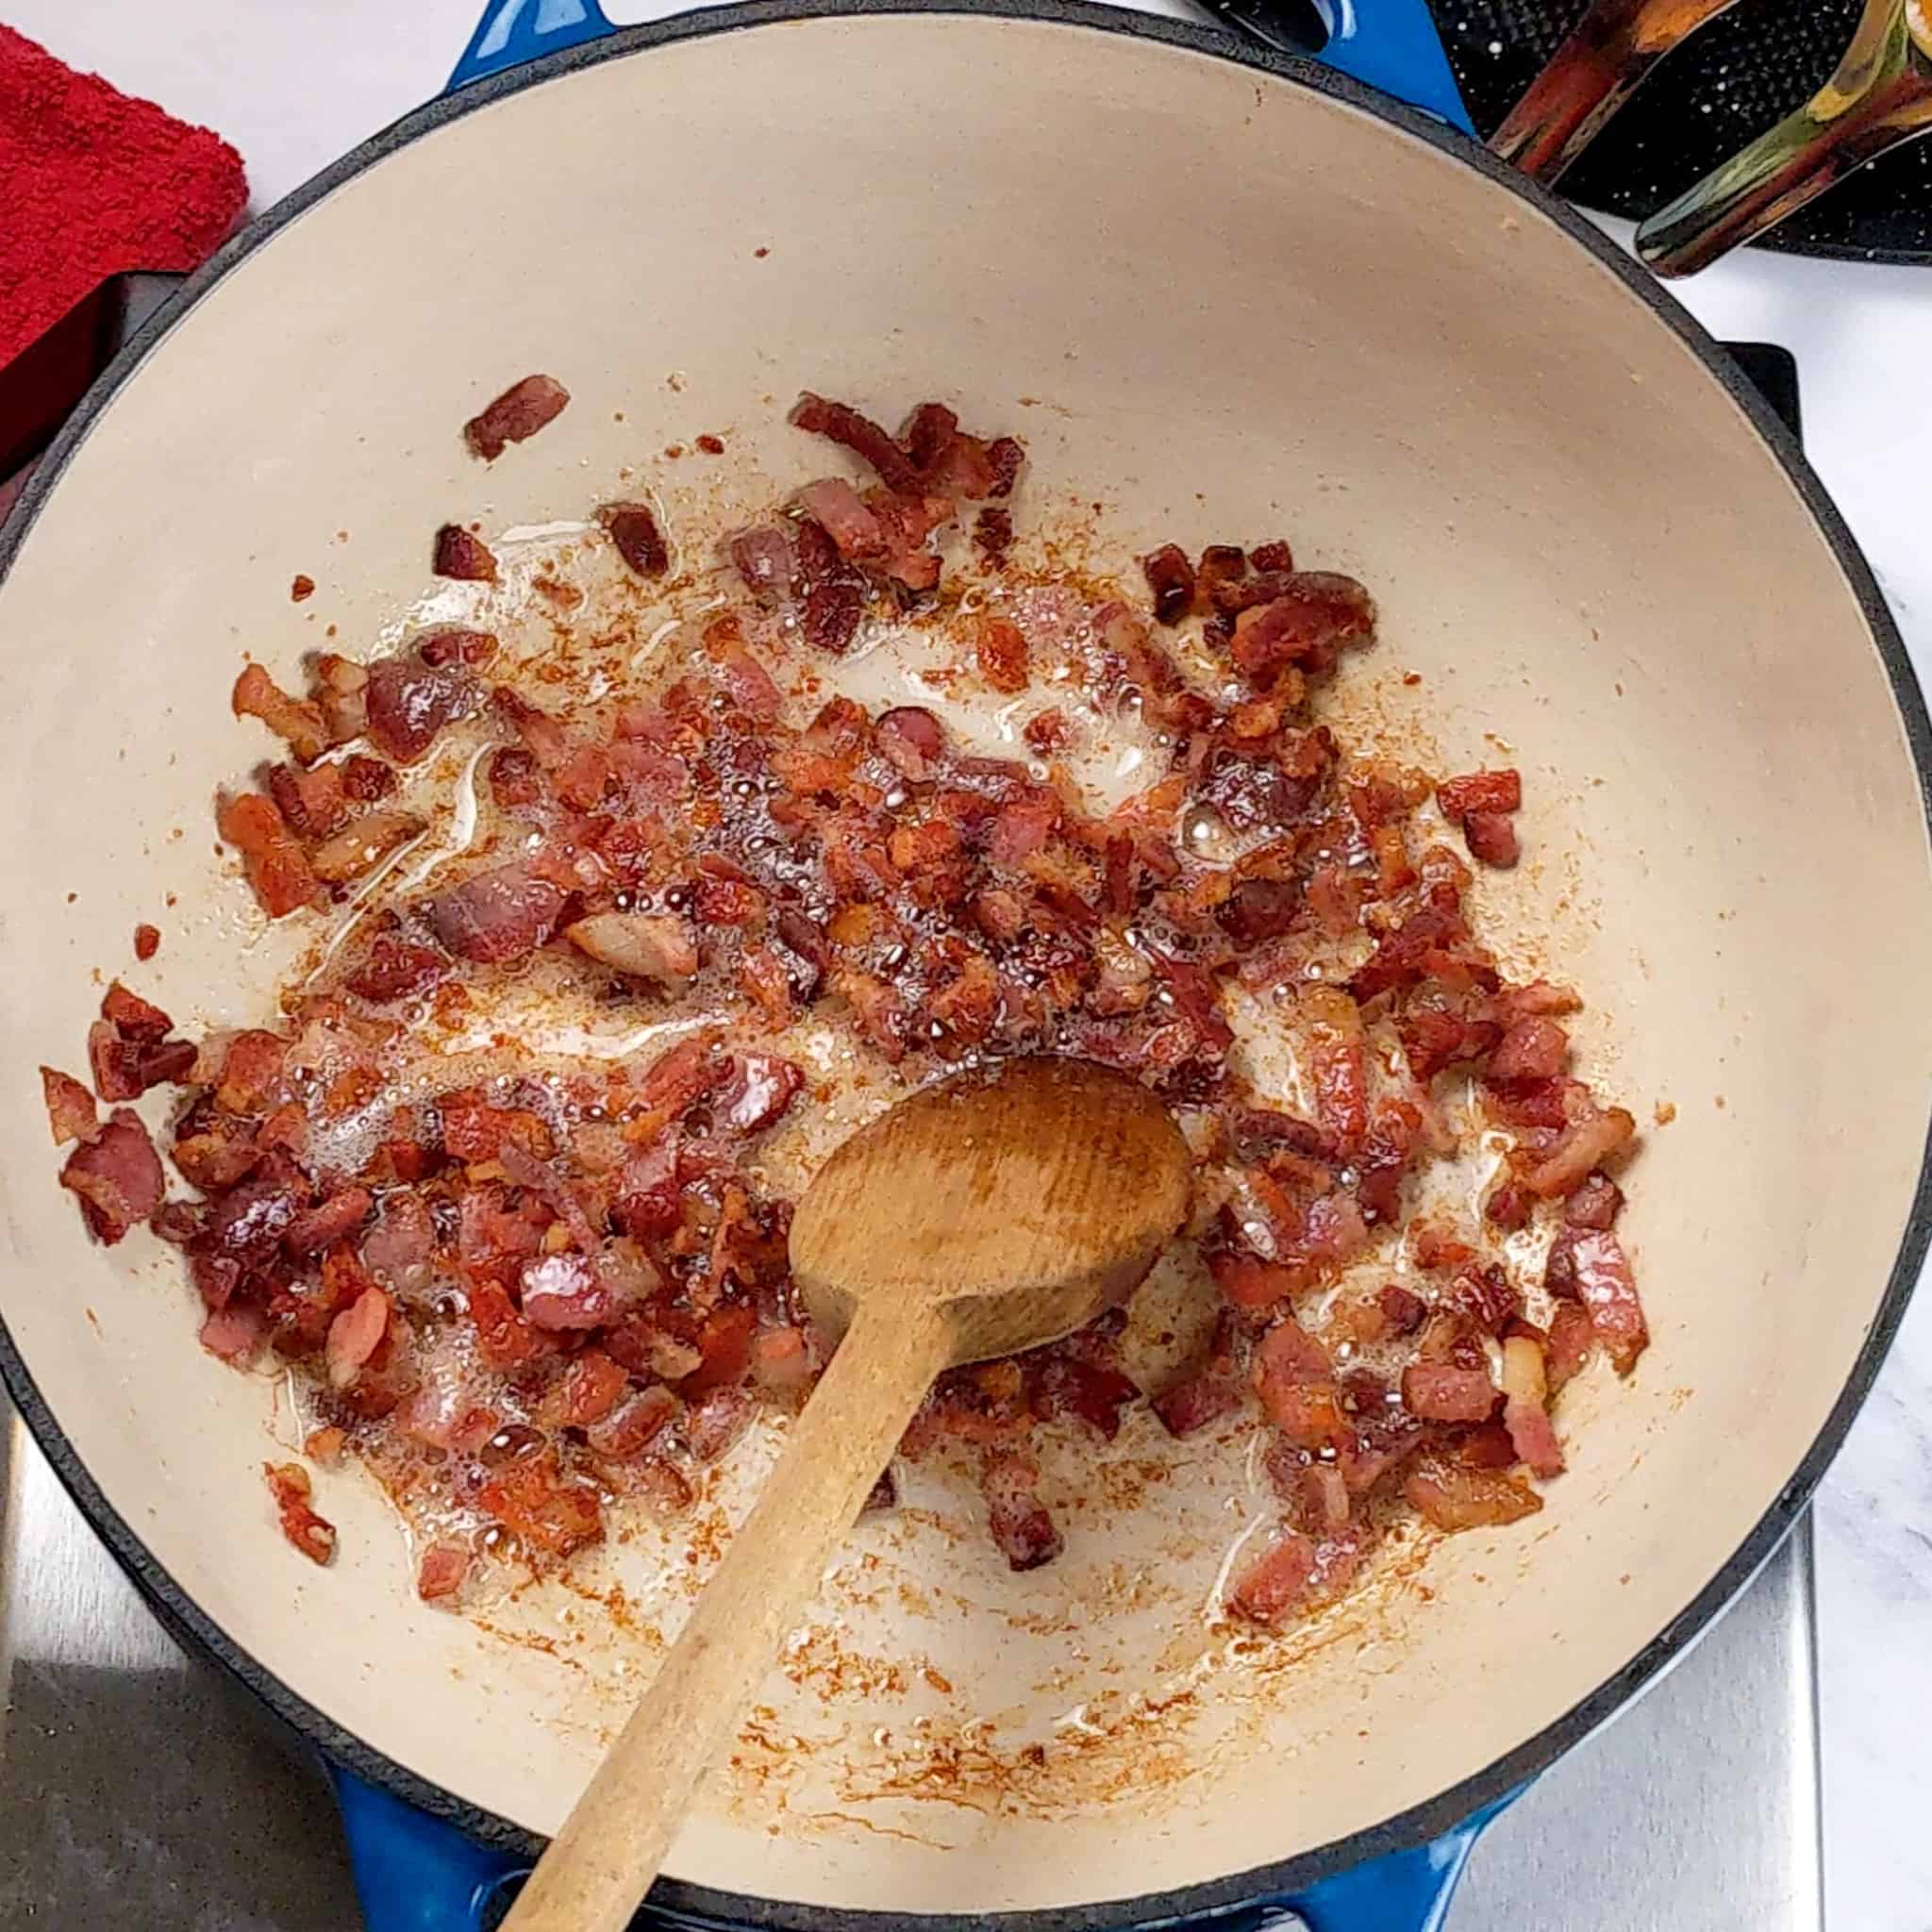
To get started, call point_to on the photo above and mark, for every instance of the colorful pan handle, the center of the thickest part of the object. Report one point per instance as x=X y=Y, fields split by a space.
x=417 y=1874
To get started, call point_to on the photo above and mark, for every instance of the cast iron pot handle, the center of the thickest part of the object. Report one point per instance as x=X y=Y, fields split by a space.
x=416 y=1874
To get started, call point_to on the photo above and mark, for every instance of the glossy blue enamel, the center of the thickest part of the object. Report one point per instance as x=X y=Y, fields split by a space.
x=1393 y=44
x=513 y=31
x=1402 y=1891
x=414 y=1873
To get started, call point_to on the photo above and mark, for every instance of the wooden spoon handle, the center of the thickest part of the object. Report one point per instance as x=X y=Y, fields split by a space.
x=600 y=1865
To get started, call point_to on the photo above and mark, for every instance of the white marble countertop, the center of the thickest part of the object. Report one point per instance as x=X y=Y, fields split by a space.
x=295 y=82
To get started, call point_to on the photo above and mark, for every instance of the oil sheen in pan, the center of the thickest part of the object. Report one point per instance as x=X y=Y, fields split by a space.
x=931 y=1671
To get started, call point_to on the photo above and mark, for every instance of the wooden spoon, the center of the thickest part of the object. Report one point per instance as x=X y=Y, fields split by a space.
x=985 y=1214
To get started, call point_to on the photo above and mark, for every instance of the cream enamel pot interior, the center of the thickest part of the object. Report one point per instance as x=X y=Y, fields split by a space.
x=1207 y=272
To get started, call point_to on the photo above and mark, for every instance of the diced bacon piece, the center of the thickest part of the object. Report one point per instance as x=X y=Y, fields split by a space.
x=564 y=1292
x=1273 y=1587
x=992 y=536
x=1495 y=792
x=1486 y=1296
x=1288 y=1354
x=515 y=416
x=1260 y=909
x=1171 y=578
x=1533 y=1049
x=1584 y=1147
x=248 y=1222
x=912 y=741
x=411 y=703
x=114 y=1062
x=251 y=1072
x=1337 y=1064
x=354 y=1335
x=168 y=1061
x=295 y=720
x=1325 y=1503
x=864 y=437
x=313 y=1535
x=400 y=1250
x=646 y=945
x=1595 y=1203
x=1001 y=648
x=1401 y=1309
x=442 y=1571
x=1246 y=1281
x=1453 y=1497
x=235 y=1333
x=767 y=982
x=394 y=969
x=587 y=1391
x=1508 y=1207
x=781 y=1359
x=1305 y=625
x=462 y=555
x=749 y=686
x=492 y=1239
x=1537 y=1000
x=336 y=1219
x=831 y=614
x=496 y=916
x=1608 y=1288
x=513 y=778
x=881 y=1011
x=755 y=1094
x=339 y=685
x=1023 y=828
x=1021 y=1525
x=764 y=557
x=1572 y=1337
x=133 y=1017
x=1493 y=839
x=277 y=866
x=551 y=1513
x=1442 y=1392
x=544 y=738
x=117 y=1177
x=313 y=801
x=634 y=1425
x=1484 y=1446
x=715 y=1421
x=453 y=645
x=70 y=1107
x=362 y=844
x=633 y=528
x=1525 y=1407
x=839 y=509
